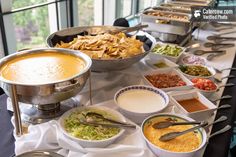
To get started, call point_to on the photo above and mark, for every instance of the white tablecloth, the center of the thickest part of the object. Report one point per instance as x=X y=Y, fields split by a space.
x=104 y=85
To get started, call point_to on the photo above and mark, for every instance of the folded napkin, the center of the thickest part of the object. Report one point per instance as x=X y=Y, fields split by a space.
x=47 y=136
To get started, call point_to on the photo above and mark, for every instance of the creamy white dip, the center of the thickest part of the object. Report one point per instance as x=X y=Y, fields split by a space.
x=141 y=101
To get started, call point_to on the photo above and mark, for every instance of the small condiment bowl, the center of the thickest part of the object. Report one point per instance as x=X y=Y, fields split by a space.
x=92 y=143
x=209 y=68
x=160 y=152
x=198 y=115
x=168 y=71
x=207 y=93
x=152 y=60
x=138 y=113
x=174 y=59
x=197 y=60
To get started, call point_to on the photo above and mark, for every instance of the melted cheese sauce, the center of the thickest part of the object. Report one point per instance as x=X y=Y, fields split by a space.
x=140 y=101
x=42 y=68
x=184 y=143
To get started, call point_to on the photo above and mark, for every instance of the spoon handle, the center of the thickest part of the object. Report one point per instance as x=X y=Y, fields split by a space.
x=223 y=97
x=226 y=128
x=108 y=125
x=185 y=123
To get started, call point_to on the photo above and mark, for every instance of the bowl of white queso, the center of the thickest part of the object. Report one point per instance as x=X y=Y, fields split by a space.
x=137 y=102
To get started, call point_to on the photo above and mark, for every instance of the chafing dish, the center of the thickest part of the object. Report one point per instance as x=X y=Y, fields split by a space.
x=166 y=25
x=40 y=94
x=45 y=95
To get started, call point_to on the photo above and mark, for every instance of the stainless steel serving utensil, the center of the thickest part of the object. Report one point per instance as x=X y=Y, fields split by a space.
x=222 y=98
x=40 y=153
x=220 y=71
x=219 y=39
x=116 y=125
x=97 y=116
x=202 y=52
x=226 y=128
x=217 y=24
x=166 y=124
x=192 y=46
x=124 y=30
x=225 y=85
x=220 y=80
x=218 y=46
x=213 y=55
x=172 y=135
x=225 y=106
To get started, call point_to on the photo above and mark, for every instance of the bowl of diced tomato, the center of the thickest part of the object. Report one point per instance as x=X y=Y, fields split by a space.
x=206 y=86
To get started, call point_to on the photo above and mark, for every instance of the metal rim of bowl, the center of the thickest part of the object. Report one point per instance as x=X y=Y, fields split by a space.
x=145 y=86
x=201 y=130
x=83 y=56
x=103 y=108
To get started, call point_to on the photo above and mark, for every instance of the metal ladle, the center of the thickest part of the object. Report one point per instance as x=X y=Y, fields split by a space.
x=202 y=52
x=218 y=46
x=172 y=135
x=220 y=71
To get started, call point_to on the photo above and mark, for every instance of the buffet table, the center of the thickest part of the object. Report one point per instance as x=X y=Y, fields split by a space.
x=104 y=86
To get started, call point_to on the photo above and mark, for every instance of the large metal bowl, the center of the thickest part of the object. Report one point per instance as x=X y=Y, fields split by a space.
x=52 y=92
x=69 y=34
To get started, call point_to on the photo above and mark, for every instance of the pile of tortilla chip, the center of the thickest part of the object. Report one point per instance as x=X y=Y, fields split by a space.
x=105 y=46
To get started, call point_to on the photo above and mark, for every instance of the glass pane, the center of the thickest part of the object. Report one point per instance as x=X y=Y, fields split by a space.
x=86 y=12
x=142 y=4
x=31 y=27
x=124 y=8
x=16 y=4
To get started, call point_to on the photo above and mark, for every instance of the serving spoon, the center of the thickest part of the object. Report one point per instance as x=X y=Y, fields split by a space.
x=222 y=98
x=220 y=80
x=166 y=124
x=220 y=71
x=213 y=55
x=202 y=52
x=172 y=135
x=218 y=46
x=192 y=46
x=90 y=120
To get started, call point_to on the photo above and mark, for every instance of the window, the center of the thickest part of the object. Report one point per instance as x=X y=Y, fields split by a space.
x=31 y=27
x=123 y=8
x=27 y=23
x=143 y=4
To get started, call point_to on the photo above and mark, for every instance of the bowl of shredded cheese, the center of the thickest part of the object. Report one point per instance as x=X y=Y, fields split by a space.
x=183 y=146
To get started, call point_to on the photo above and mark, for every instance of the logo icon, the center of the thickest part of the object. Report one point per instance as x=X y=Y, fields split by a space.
x=197 y=13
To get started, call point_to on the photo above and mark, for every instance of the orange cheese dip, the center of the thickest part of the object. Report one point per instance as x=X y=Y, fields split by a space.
x=184 y=143
x=40 y=68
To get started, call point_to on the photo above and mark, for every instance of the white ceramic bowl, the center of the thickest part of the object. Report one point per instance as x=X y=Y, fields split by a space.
x=174 y=59
x=197 y=115
x=165 y=153
x=210 y=69
x=192 y=59
x=141 y=112
x=92 y=143
x=153 y=59
x=172 y=71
